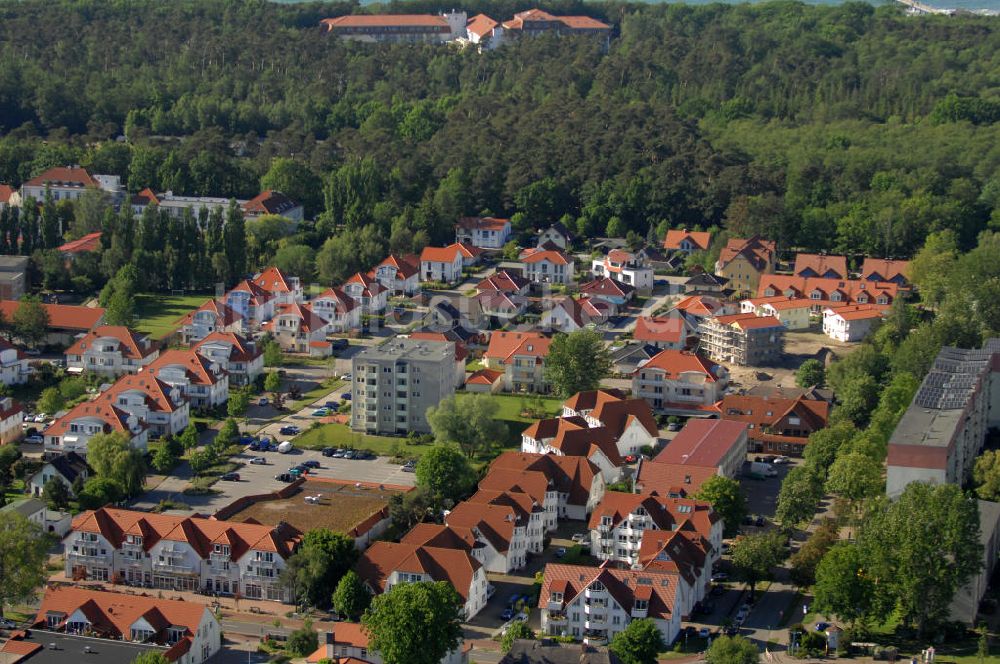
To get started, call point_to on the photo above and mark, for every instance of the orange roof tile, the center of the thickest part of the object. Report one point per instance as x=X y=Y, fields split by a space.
x=482 y=24
x=381 y=559
x=242 y=350
x=269 y=202
x=309 y=321
x=132 y=345
x=89 y=242
x=703 y=443
x=820 y=265
x=554 y=256
x=274 y=280
x=197 y=368
x=677 y=362
x=699 y=238
x=504 y=345
x=384 y=20
x=664 y=329
x=748 y=321
x=757 y=251
x=61 y=316
x=885 y=269
x=483 y=377
x=621 y=584
x=70 y=175
x=6 y=191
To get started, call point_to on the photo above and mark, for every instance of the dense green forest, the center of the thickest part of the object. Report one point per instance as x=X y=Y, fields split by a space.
x=840 y=128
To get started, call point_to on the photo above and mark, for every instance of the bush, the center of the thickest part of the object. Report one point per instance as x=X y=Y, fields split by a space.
x=303 y=641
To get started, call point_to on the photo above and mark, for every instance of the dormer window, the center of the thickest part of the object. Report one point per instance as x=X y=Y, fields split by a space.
x=641 y=604
x=175 y=634
x=556 y=597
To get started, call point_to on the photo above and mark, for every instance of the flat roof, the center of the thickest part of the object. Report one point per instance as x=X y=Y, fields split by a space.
x=59 y=648
x=409 y=349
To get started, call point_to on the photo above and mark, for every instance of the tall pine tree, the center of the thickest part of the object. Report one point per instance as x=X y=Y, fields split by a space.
x=235 y=238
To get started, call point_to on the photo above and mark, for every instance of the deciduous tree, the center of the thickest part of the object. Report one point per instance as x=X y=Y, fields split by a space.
x=23 y=554
x=810 y=373
x=798 y=498
x=112 y=457
x=732 y=650
x=31 y=320
x=576 y=362
x=351 y=598
x=468 y=421
x=414 y=623
x=443 y=471
x=755 y=556
x=314 y=571
x=727 y=500
x=639 y=643
x=845 y=586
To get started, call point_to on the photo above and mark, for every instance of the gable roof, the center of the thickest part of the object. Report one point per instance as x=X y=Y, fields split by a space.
x=571 y=475
x=70 y=465
x=225 y=314
x=859 y=311
x=701 y=239
x=588 y=399
x=756 y=250
x=344 y=302
x=381 y=559
x=200 y=532
x=763 y=411
x=269 y=202
x=849 y=289
x=677 y=362
x=156 y=393
x=258 y=293
x=6 y=191
x=703 y=442
x=885 y=269
x=274 y=280
x=89 y=242
x=503 y=281
x=658 y=588
x=309 y=321
x=554 y=256
x=496 y=523
x=608 y=287
x=63 y=176
x=61 y=316
x=132 y=345
x=482 y=24
x=114 y=418
x=663 y=329
x=443 y=536
x=405 y=268
x=370 y=287
x=820 y=265
x=574 y=437
x=699 y=305
x=197 y=368
x=748 y=321
x=483 y=377
x=385 y=20
x=504 y=345
x=241 y=349
x=448 y=254
x=618 y=414
x=662 y=477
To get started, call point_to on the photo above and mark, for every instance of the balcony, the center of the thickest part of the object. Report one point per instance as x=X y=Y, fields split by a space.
x=174 y=566
x=84 y=559
x=557 y=617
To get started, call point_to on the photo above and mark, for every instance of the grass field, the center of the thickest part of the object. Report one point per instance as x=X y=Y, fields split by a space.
x=516 y=412
x=341 y=507
x=156 y=314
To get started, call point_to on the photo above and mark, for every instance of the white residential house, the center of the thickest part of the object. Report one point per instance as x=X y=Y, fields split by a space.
x=338 y=309
x=252 y=302
x=296 y=328
x=400 y=274
x=14 y=368
x=483 y=232
x=548 y=266
x=852 y=322
x=442 y=264
x=368 y=292
x=285 y=288
x=625 y=267
x=70 y=432
x=11 y=420
x=203 y=382
x=213 y=316
x=112 y=350
x=160 y=407
x=236 y=355
x=678 y=380
x=66 y=468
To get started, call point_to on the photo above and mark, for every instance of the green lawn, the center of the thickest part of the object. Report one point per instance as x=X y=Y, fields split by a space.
x=517 y=411
x=313 y=394
x=156 y=314
x=340 y=435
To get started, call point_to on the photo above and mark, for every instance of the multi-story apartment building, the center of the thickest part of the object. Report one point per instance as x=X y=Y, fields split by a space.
x=180 y=552
x=521 y=356
x=285 y=288
x=67 y=184
x=742 y=339
x=718 y=445
x=338 y=309
x=183 y=632
x=237 y=356
x=823 y=293
x=576 y=481
x=399 y=274
x=548 y=266
x=776 y=425
x=530 y=514
x=397 y=28
x=202 y=381
x=625 y=267
x=395 y=383
x=743 y=262
x=297 y=328
x=620 y=524
x=112 y=350
x=483 y=232
x=629 y=421
x=886 y=270
x=792 y=312
x=254 y=303
x=72 y=431
x=572 y=436
x=368 y=292
x=678 y=380
x=853 y=322
x=944 y=428
x=273 y=202
x=502 y=529
x=213 y=316
x=595 y=603
x=386 y=564
x=13 y=365
x=11 y=419
x=820 y=265
x=160 y=407
x=672 y=331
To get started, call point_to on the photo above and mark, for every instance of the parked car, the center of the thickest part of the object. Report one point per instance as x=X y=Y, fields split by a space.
x=246 y=440
x=329 y=451
x=7 y=623
x=347 y=396
x=285 y=447
x=674 y=426
x=349 y=454
x=409 y=467
x=35 y=438
x=289 y=430
x=263 y=401
x=630 y=458
x=320 y=412
x=507 y=614
x=560 y=552
x=704 y=632
x=365 y=455
x=284 y=477
x=822 y=626
x=311 y=463
x=781 y=460
x=339 y=454
x=254 y=446
x=295 y=472
x=41 y=417
x=346 y=376
x=339 y=344
x=579 y=538
x=258 y=461
x=231 y=477
x=332 y=405
x=719 y=577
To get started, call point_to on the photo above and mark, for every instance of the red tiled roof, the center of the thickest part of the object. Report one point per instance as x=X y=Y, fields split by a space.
x=703 y=443
x=89 y=242
x=624 y=585
x=145 y=197
x=72 y=176
x=381 y=559
x=225 y=315
x=666 y=329
x=445 y=537
x=370 y=287
x=699 y=238
x=309 y=321
x=404 y=268
x=885 y=268
x=850 y=290
x=766 y=412
x=344 y=302
x=132 y=345
x=200 y=532
x=588 y=399
x=6 y=191
x=618 y=414
x=554 y=256
x=20 y=648
x=496 y=523
x=661 y=477
x=483 y=377
x=114 y=418
x=482 y=24
x=699 y=305
x=860 y=311
x=384 y=20
x=677 y=362
x=503 y=281
x=448 y=254
x=269 y=202
x=820 y=265
x=501 y=301
x=572 y=436
x=758 y=251
x=197 y=368
x=606 y=286
x=274 y=280
x=749 y=321
x=258 y=294
x=241 y=348
x=157 y=393
x=61 y=316
x=504 y=345
x=570 y=474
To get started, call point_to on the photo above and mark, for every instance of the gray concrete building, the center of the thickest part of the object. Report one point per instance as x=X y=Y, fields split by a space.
x=395 y=383
x=742 y=339
x=943 y=430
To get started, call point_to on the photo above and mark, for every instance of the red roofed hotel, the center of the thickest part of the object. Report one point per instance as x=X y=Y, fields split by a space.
x=189 y=631
x=883 y=269
x=536 y=22
x=112 y=350
x=204 y=382
x=679 y=380
x=828 y=292
x=180 y=552
x=521 y=356
x=396 y=28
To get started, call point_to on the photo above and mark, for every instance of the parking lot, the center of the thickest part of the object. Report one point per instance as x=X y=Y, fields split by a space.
x=375 y=471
